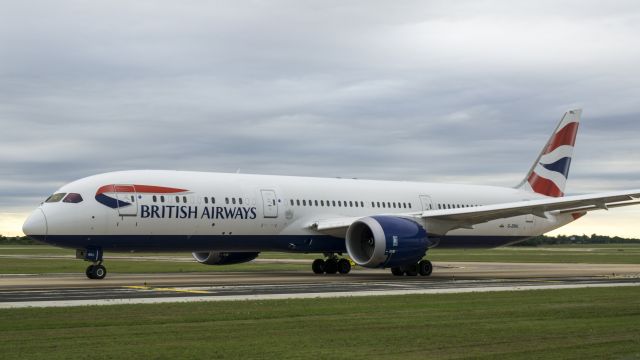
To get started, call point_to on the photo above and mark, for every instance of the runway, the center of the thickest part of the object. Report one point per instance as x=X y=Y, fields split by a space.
x=55 y=290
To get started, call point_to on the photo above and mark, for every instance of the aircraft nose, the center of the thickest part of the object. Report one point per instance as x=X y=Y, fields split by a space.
x=35 y=225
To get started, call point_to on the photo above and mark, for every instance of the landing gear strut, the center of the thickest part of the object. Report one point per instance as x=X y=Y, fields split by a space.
x=332 y=265
x=424 y=268
x=95 y=271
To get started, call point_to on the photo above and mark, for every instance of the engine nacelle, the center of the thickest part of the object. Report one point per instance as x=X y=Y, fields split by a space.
x=386 y=241
x=223 y=258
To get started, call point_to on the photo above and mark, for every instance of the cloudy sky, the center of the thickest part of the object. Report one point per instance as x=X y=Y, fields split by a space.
x=464 y=92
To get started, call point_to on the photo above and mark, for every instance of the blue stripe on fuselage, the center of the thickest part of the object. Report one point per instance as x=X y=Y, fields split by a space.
x=288 y=243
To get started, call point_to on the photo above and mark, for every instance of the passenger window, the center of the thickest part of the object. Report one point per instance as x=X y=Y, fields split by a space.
x=73 y=198
x=304 y=202
x=213 y=200
x=350 y=203
x=233 y=201
x=55 y=197
x=177 y=199
x=291 y=202
x=184 y=199
x=321 y=202
x=226 y=200
x=334 y=203
x=361 y=203
x=339 y=203
x=240 y=201
x=156 y=199
x=206 y=200
x=298 y=202
x=161 y=198
x=316 y=202
x=356 y=203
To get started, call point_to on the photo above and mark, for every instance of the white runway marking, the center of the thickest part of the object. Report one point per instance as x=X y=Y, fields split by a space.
x=457 y=290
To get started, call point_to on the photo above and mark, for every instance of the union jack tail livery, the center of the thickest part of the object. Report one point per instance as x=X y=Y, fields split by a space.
x=549 y=173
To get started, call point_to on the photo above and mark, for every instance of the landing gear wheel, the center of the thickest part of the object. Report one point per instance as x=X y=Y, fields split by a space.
x=425 y=268
x=331 y=266
x=411 y=270
x=89 y=271
x=344 y=266
x=99 y=272
x=397 y=271
x=318 y=266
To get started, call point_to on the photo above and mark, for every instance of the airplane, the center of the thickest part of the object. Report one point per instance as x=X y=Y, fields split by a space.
x=230 y=218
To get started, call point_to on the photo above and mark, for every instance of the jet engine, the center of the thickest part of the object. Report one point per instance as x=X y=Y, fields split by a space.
x=223 y=258
x=386 y=241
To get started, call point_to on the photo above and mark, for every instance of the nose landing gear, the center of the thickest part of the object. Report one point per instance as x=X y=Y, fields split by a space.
x=95 y=271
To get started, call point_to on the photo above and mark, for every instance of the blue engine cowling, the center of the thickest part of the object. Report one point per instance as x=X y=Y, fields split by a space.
x=224 y=258
x=386 y=241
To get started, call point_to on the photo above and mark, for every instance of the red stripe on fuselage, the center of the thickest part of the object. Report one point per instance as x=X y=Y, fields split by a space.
x=566 y=136
x=544 y=186
x=578 y=215
x=145 y=189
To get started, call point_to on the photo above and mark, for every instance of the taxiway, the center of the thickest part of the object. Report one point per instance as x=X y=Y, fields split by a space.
x=17 y=291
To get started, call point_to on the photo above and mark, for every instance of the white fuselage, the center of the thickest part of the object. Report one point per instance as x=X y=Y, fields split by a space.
x=239 y=212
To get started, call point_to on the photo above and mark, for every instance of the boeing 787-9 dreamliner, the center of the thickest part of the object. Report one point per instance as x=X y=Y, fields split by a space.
x=230 y=218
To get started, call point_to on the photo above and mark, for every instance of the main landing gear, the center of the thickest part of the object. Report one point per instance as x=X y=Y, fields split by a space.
x=333 y=264
x=424 y=268
x=95 y=271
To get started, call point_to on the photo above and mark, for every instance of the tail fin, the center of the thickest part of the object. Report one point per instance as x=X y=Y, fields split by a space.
x=548 y=174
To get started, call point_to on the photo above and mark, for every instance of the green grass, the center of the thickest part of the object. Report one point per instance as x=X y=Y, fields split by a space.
x=550 y=324
x=589 y=254
x=592 y=254
x=36 y=266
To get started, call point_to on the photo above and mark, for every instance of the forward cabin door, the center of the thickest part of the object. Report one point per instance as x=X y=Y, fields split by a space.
x=127 y=200
x=269 y=204
x=426 y=202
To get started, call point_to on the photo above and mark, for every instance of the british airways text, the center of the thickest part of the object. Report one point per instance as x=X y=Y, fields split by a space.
x=192 y=212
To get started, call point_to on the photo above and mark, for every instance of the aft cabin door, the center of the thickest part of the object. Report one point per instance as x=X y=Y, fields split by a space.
x=426 y=202
x=269 y=204
x=127 y=200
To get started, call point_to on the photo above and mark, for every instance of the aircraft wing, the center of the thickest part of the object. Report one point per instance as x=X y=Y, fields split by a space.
x=443 y=221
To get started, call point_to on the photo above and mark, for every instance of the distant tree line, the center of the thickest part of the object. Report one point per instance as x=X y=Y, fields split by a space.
x=18 y=240
x=576 y=239
x=536 y=241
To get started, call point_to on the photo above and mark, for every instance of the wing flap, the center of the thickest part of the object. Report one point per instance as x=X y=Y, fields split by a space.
x=450 y=219
x=536 y=207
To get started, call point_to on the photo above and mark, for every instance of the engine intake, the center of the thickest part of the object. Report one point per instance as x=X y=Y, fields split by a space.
x=386 y=241
x=223 y=258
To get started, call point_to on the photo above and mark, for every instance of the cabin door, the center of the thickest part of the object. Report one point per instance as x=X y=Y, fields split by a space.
x=426 y=202
x=269 y=204
x=127 y=200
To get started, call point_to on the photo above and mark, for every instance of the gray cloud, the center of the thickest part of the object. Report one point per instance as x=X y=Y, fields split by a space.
x=417 y=90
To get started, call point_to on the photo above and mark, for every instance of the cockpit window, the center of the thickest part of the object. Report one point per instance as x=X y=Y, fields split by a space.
x=73 y=198
x=55 y=197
